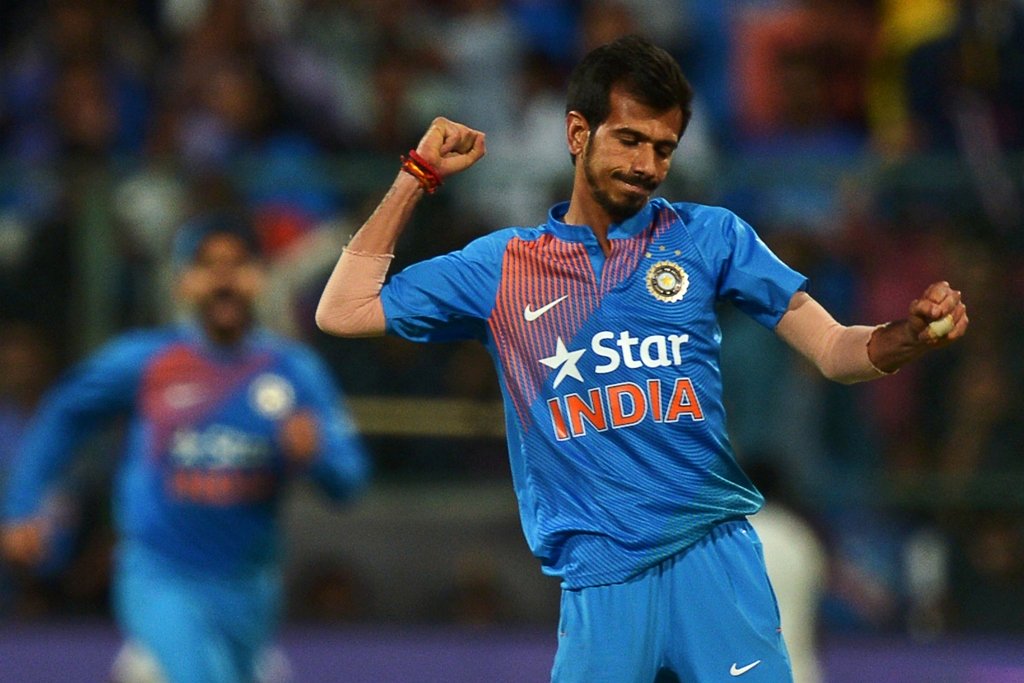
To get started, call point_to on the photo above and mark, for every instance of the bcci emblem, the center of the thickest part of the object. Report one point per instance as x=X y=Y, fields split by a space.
x=272 y=396
x=667 y=281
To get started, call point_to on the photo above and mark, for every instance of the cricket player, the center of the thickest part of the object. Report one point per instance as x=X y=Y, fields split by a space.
x=219 y=416
x=601 y=323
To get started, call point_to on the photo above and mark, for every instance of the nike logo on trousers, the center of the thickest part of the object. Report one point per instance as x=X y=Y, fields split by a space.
x=740 y=670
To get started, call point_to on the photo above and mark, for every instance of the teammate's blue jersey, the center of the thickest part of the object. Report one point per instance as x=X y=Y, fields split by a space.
x=201 y=477
x=609 y=369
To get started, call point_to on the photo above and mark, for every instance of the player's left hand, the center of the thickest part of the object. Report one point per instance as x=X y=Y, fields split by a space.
x=299 y=436
x=938 y=301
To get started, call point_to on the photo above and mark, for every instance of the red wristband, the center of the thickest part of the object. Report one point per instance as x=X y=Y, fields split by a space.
x=420 y=169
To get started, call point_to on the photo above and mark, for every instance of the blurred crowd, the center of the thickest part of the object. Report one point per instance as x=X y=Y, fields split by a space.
x=876 y=145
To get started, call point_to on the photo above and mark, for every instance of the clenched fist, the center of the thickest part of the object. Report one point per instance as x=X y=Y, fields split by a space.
x=299 y=437
x=938 y=301
x=451 y=147
x=24 y=543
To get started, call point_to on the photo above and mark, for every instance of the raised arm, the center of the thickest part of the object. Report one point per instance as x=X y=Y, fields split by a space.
x=350 y=304
x=857 y=353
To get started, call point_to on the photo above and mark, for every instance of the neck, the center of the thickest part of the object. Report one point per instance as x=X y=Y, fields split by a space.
x=226 y=337
x=590 y=214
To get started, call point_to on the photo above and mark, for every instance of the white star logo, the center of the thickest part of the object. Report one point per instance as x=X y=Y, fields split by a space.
x=565 y=361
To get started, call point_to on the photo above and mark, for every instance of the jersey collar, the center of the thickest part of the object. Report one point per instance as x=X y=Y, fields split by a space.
x=630 y=227
x=193 y=331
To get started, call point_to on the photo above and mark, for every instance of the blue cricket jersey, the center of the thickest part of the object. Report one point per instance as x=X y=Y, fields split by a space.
x=201 y=477
x=609 y=368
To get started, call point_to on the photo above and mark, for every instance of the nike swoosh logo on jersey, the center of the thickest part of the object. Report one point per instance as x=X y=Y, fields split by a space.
x=530 y=315
x=183 y=395
x=740 y=670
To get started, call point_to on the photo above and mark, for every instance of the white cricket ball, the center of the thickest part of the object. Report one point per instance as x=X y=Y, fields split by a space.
x=941 y=327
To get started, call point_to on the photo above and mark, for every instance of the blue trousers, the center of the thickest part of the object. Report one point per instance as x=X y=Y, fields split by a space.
x=706 y=614
x=200 y=627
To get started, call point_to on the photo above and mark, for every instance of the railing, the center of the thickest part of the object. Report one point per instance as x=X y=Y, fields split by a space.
x=944 y=180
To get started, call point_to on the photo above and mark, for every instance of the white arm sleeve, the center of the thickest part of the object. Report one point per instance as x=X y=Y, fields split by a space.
x=350 y=305
x=839 y=352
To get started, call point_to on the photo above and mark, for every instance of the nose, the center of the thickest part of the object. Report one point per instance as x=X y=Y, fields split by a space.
x=224 y=274
x=222 y=271
x=644 y=162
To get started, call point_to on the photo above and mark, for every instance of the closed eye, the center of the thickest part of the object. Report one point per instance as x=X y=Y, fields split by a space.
x=664 y=149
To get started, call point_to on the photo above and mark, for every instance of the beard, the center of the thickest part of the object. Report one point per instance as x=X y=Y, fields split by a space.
x=226 y=313
x=629 y=204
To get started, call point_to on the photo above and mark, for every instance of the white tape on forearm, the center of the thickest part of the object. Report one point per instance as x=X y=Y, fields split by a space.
x=350 y=304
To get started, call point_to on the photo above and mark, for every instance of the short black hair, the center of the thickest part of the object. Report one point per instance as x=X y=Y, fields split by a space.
x=193 y=234
x=646 y=71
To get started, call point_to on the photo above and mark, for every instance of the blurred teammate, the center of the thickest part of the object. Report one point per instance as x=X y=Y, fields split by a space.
x=220 y=416
x=601 y=322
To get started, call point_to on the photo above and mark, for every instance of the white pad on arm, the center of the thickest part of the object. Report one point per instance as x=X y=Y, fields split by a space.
x=839 y=352
x=350 y=305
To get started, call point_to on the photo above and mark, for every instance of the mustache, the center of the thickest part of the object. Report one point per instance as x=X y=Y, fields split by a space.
x=225 y=294
x=641 y=181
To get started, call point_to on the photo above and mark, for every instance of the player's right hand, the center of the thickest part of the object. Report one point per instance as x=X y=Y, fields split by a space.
x=938 y=301
x=24 y=542
x=451 y=147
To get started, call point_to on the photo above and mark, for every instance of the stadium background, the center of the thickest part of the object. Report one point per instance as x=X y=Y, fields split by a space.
x=876 y=145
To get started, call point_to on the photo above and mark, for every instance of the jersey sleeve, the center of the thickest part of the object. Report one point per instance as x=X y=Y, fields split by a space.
x=449 y=297
x=341 y=468
x=99 y=388
x=752 y=276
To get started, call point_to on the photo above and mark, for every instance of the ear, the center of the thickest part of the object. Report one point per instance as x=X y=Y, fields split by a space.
x=188 y=285
x=577 y=132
